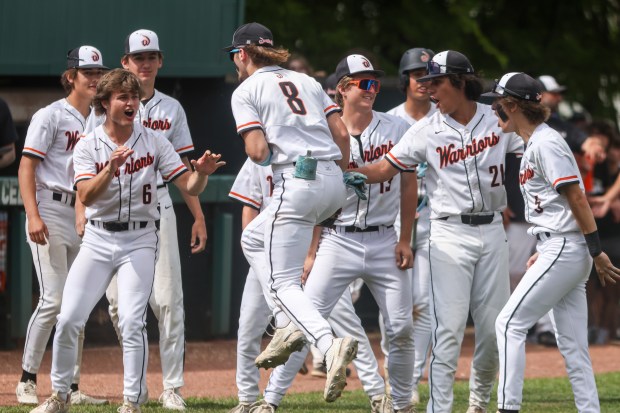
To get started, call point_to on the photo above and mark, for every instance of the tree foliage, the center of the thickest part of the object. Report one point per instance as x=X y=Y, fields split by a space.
x=576 y=41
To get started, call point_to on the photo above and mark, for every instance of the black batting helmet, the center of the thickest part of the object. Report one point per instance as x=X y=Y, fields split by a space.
x=412 y=59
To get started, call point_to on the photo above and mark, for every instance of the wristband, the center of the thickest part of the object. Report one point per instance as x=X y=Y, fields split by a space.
x=594 y=243
x=267 y=161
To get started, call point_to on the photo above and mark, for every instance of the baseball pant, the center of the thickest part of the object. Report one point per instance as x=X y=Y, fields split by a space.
x=419 y=289
x=52 y=262
x=277 y=240
x=468 y=273
x=345 y=323
x=132 y=255
x=167 y=298
x=555 y=282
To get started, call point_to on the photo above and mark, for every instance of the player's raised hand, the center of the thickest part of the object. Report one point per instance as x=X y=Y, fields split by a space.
x=119 y=156
x=404 y=255
x=605 y=269
x=207 y=163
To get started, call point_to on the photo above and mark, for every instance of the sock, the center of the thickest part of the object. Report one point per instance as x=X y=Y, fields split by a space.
x=74 y=387
x=324 y=343
x=28 y=376
x=282 y=319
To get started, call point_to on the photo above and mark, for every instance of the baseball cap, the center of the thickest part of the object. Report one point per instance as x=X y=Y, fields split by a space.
x=446 y=63
x=354 y=64
x=85 y=57
x=416 y=58
x=142 y=41
x=515 y=84
x=550 y=84
x=251 y=33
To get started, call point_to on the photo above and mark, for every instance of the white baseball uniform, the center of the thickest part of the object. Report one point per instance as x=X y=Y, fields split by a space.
x=557 y=279
x=468 y=252
x=420 y=273
x=121 y=238
x=362 y=245
x=253 y=187
x=52 y=135
x=291 y=109
x=165 y=115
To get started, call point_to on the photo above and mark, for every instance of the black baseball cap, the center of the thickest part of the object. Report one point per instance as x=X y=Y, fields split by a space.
x=251 y=33
x=413 y=59
x=516 y=84
x=354 y=64
x=446 y=63
x=85 y=57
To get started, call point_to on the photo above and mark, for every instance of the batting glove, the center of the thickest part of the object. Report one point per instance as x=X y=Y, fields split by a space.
x=355 y=180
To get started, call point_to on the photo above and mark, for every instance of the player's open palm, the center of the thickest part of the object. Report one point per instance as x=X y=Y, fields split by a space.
x=207 y=163
x=37 y=230
x=605 y=269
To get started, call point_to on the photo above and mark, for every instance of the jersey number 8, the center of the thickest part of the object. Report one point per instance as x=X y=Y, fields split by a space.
x=290 y=91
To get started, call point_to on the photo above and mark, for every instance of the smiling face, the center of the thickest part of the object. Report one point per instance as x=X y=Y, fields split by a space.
x=356 y=98
x=85 y=83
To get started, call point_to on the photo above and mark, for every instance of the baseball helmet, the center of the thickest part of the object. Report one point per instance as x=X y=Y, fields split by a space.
x=412 y=59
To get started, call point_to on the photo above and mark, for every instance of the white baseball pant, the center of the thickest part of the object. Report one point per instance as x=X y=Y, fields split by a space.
x=52 y=262
x=167 y=298
x=345 y=323
x=555 y=282
x=132 y=255
x=469 y=273
x=277 y=240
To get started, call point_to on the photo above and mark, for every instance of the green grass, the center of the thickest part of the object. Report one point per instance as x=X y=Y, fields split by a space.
x=540 y=395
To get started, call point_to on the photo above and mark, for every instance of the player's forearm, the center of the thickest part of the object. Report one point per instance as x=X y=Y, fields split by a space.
x=247 y=215
x=341 y=138
x=196 y=183
x=580 y=208
x=408 y=203
x=377 y=172
x=28 y=187
x=194 y=206
x=90 y=190
x=256 y=146
x=314 y=244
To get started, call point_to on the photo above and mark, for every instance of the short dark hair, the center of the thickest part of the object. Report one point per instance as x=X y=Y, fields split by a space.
x=64 y=79
x=473 y=85
x=116 y=80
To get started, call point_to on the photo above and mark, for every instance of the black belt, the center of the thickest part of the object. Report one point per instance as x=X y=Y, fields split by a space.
x=371 y=228
x=113 y=226
x=57 y=196
x=474 y=219
x=161 y=186
x=538 y=237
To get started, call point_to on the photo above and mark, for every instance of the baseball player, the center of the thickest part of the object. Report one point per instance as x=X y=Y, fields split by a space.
x=417 y=106
x=362 y=243
x=287 y=121
x=468 y=254
x=254 y=188
x=568 y=242
x=165 y=115
x=116 y=171
x=53 y=225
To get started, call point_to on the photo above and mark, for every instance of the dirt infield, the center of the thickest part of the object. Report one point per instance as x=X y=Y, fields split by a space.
x=210 y=369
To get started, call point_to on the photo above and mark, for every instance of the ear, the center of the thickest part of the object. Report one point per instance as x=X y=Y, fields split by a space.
x=125 y=62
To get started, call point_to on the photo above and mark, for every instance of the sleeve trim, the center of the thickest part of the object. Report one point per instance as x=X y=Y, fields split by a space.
x=172 y=175
x=245 y=200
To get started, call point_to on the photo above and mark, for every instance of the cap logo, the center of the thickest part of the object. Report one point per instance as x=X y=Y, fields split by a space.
x=268 y=41
x=145 y=41
x=425 y=57
x=365 y=62
x=95 y=56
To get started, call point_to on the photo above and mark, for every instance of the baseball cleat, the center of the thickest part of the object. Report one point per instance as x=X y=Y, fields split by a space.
x=53 y=405
x=381 y=404
x=262 y=406
x=79 y=397
x=27 y=393
x=285 y=341
x=172 y=400
x=127 y=407
x=242 y=407
x=476 y=409
x=339 y=355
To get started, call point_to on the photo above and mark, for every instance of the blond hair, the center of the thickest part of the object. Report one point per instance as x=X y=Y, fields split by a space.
x=267 y=56
x=342 y=83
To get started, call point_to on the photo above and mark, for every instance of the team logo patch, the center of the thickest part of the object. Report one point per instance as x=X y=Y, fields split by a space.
x=425 y=57
x=146 y=41
x=268 y=41
x=365 y=63
x=279 y=75
x=95 y=56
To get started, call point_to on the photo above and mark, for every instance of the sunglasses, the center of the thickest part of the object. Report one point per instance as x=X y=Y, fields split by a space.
x=367 y=84
x=231 y=54
x=434 y=68
x=500 y=111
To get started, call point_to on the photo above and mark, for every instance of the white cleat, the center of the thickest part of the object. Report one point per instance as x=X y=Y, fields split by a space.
x=476 y=409
x=80 y=398
x=242 y=407
x=381 y=404
x=172 y=400
x=262 y=406
x=337 y=358
x=53 y=405
x=127 y=407
x=285 y=341
x=27 y=393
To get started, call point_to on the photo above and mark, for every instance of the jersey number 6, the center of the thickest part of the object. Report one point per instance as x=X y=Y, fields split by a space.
x=290 y=91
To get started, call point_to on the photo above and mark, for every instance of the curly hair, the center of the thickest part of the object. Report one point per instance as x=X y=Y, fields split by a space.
x=535 y=112
x=116 y=80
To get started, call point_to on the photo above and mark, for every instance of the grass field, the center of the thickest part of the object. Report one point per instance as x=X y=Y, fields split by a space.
x=540 y=395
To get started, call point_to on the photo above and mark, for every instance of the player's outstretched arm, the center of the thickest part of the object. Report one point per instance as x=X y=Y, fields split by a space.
x=90 y=190
x=204 y=166
x=341 y=138
x=198 y=240
x=583 y=214
x=37 y=230
x=377 y=172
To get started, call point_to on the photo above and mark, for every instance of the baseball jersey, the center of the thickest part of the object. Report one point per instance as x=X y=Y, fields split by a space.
x=402 y=113
x=132 y=194
x=465 y=162
x=546 y=166
x=253 y=185
x=52 y=136
x=291 y=108
x=165 y=115
x=382 y=205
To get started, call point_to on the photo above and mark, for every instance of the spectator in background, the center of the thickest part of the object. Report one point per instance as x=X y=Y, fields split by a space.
x=299 y=63
x=8 y=136
x=330 y=86
x=603 y=302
